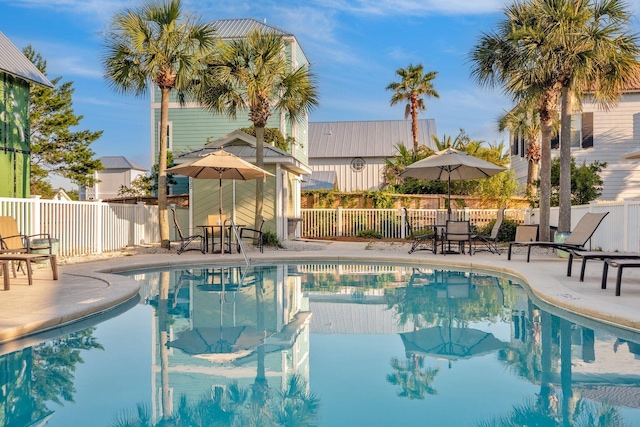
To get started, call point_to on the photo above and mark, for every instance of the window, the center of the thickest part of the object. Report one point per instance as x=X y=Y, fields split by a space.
x=169 y=136
x=576 y=130
x=581 y=131
x=358 y=164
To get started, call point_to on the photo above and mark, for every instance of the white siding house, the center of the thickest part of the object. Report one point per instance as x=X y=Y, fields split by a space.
x=117 y=171
x=356 y=151
x=602 y=135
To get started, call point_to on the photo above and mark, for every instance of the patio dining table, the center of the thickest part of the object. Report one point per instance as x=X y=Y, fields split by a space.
x=209 y=232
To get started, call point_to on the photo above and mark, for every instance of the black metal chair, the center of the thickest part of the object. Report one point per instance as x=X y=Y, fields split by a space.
x=255 y=235
x=458 y=232
x=424 y=241
x=186 y=241
x=490 y=241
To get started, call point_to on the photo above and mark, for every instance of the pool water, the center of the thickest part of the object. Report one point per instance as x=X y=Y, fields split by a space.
x=325 y=345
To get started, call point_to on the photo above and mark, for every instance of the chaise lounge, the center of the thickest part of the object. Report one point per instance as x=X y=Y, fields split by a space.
x=578 y=238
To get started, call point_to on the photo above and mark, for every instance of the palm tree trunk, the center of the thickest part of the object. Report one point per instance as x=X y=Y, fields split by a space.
x=532 y=175
x=163 y=308
x=259 y=182
x=163 y=214
x=564 y=220
x=545 y=175
x=414 y=123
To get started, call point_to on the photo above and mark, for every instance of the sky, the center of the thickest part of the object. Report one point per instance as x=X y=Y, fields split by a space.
x=355 y=47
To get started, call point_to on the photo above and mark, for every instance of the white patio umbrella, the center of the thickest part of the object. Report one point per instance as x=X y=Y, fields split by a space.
x=451 y=164
x=221 y=165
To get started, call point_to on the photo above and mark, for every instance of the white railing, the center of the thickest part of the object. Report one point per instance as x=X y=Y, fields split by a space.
x=85 y=227
x=620 y=230
x=390 y=223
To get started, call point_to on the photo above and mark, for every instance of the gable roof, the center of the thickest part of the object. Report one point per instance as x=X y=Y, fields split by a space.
x=366 y=138
x=13 y=62
x=320 y=180
x=119 y=162
x=243 y=145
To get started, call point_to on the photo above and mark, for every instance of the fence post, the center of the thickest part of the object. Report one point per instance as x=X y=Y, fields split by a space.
x=339 y=217
x=98 y=226
x=625 y=227
x=36 y=207
x=403 y=221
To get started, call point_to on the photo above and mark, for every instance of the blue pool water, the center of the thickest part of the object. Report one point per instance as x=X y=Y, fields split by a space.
x=325 y=345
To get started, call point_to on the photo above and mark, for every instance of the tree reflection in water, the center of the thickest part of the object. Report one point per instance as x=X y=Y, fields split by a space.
x=39 y=374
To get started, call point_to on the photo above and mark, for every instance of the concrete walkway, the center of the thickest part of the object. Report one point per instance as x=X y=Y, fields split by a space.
x=86 y=289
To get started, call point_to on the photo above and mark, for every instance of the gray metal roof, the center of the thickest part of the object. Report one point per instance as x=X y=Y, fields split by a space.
x=366 y=139
x=238 y=28
x=320 y=180
x=12 y=61
x=119 y=162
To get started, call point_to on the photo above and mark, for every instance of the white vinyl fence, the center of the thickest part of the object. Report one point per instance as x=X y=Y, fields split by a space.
x=619 y=231
x=85 y=227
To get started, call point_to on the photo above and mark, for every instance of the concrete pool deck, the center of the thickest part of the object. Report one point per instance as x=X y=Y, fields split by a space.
x=88 y=288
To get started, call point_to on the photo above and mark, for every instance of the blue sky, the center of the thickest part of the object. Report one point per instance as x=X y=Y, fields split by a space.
x=354 y=46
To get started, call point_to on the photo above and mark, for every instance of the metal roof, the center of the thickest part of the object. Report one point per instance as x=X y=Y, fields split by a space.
x=238 y=28
x=119 y=162
x=12 y=61
x=367 y=138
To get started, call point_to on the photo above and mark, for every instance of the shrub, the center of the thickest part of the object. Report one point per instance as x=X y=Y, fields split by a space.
x=507 y=231
x=269 y=238
x=373 y=234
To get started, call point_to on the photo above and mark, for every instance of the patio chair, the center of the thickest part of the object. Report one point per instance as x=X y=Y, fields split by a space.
x=422 y=241
x=489 y=241
x=255 y=234
x=186 y=241
x=599 y=255
x=621 y=265
x=578 y=238
x=458 y=232
x=13 y=243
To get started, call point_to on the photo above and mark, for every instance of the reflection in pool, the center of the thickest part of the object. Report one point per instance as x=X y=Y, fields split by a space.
x=330 y=345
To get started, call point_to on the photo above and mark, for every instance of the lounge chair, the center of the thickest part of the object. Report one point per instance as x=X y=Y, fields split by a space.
x=458 y=232
x=422 y=241
x=578 y=238
x=185 y=241
x=489 y=241
x=15 y=247
x=621 y=265
x=599 y=255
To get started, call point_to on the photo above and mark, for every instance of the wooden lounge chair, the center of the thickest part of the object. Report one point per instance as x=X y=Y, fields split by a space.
x=422 y=241
x=489 y=242
x=13 y=243
x=578 y=238
x=599 y=255
x=28 y=259
x=185 y=241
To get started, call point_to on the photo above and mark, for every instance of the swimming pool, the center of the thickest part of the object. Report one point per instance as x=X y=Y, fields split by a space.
x=329 y=345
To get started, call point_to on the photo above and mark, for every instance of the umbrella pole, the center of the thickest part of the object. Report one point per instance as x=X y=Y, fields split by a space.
x=449 y=198
x=220 y=218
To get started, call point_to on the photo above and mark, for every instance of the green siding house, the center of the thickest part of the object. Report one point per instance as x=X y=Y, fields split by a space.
x=191 y=127
x=17 y=73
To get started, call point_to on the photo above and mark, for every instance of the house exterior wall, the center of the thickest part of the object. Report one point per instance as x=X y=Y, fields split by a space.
x=110 y=181
x=348 y=179
x=15 y=166
x=616 y=131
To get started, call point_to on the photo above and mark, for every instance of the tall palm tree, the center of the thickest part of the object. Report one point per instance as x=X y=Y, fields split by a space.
x=589 y=44
x=413 y=85
x=254 y=75
x=523 y=121
x=159 y=45
x=509 y=57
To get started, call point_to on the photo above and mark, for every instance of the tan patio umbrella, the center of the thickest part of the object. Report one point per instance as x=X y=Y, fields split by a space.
x=451 y=164
x=221 y=165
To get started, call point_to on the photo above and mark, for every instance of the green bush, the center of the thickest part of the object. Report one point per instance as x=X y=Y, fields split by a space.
x=507 y=231
x=269 y=238
x=369 y=234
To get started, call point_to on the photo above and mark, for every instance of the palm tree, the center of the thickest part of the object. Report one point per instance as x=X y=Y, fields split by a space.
x=254 y=74
x=412 y=86
x=414 y=380
x=509 y=57
x=588 y=43
x=523 y=121
x=156 y=43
